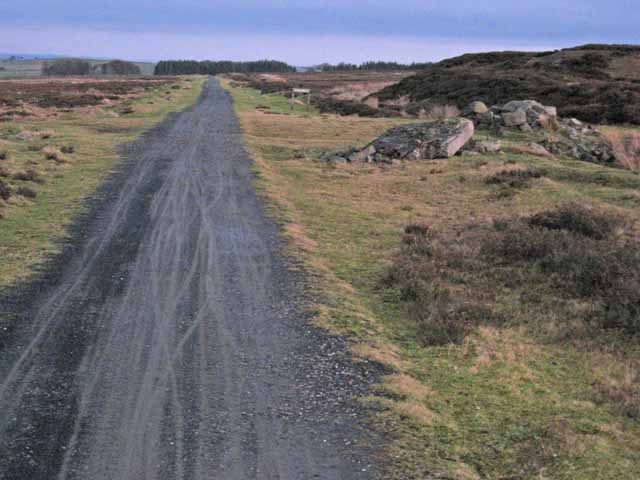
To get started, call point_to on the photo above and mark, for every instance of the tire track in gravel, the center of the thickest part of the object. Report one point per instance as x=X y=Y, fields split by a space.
x=169 y=340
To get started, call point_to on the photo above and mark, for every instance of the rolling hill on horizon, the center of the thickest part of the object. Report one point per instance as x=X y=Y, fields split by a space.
x=595 y=83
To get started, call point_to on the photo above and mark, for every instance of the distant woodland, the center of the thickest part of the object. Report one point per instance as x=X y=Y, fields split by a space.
x=192 y=67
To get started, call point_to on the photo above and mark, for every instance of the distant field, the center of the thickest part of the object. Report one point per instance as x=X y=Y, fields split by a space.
x=33 y=67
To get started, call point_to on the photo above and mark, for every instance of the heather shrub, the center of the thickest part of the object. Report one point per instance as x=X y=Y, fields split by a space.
x=26 y=192
x=440 y=319
x=5 y=191
x=515 y=178
x=440 y=315
x=28 y=176
x=578 y=219
x=576 y=249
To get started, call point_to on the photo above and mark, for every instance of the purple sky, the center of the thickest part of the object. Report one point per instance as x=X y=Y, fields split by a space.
x=305 y=32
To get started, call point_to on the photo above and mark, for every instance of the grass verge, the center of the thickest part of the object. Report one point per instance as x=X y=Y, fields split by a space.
x=69 y=157
x=519 y=397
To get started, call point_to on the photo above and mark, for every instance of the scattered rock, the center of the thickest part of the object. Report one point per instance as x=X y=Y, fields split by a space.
x=581 y=147
x=488 y=146
x=423 y=141
x=533 y=149
x=363 y=156
x=335 y=159
x=514 y=119
x=481 y=147
x=486 y=119
x=475 y=108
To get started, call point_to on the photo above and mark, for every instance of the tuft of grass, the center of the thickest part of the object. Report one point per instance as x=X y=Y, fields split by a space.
x=52 y=153
x=626 y=147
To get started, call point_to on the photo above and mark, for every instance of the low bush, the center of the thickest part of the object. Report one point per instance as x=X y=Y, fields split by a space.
x=26 y=192
x=440 y=314
x=4 y=172
x=578 y=219
x=576 y=249
x=3 y=155
x=5 y=191
x=68 y=149
x=449 y=285
x=439 y=318
x=340 y=107
x=28 y=176
x=515 y=178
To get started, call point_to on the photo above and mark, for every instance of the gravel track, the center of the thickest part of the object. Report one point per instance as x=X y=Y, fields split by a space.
x=169 y=340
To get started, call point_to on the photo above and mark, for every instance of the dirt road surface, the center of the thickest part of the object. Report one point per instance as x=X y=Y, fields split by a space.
x=169 y=340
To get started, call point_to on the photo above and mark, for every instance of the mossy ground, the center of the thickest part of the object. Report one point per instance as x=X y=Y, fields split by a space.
x=519 y=399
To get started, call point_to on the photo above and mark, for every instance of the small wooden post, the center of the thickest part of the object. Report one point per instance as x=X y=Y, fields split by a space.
x=301 y=91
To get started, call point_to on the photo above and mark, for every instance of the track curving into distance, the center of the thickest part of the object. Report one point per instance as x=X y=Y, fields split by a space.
x=169 y=340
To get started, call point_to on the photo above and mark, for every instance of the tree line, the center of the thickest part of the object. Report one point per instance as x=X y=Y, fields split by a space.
x=207 y=67
x=373 y=65
x=78 y=67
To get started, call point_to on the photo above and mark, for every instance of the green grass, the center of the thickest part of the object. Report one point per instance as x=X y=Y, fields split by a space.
x=517 y=400
x=250 y=98
x=29 y=229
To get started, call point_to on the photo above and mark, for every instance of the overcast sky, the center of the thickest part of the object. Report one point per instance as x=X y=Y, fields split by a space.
x=305 y=32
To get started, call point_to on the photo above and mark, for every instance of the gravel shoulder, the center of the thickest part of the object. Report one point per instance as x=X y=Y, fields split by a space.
x=169 y=340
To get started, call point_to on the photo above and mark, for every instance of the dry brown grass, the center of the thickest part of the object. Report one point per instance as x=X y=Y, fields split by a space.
x=529 y=149
x=357 y=91
x=439 y=112
x=53 y=153
x=626 y=146
x=618 y=382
